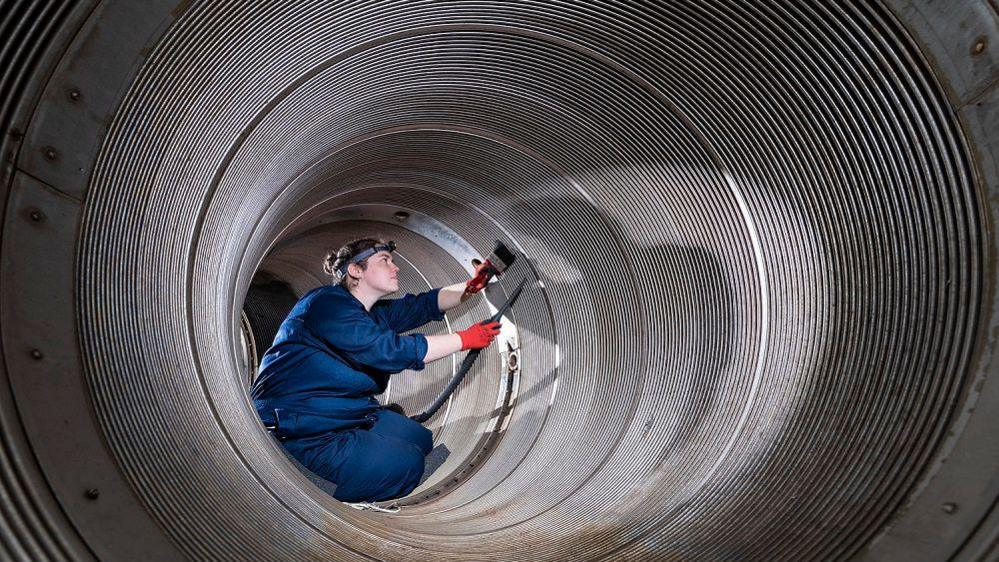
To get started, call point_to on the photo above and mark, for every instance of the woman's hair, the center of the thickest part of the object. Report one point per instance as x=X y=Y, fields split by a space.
x=336 y=260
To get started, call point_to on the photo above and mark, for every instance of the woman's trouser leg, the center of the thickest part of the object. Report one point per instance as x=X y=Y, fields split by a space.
x=373 y=467
x=391 y=424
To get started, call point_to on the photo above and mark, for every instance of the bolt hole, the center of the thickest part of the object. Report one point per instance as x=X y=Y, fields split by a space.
x=978 y=47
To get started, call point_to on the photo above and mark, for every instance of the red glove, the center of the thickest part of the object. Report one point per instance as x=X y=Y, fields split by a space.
x=483 y=272
x=479 y=335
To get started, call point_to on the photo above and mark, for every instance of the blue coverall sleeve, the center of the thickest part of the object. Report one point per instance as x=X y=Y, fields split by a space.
x=361 y=341
x=411 y=311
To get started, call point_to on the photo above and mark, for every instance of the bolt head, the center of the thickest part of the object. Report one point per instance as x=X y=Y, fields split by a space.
x=949 y=508
x=36 y=216
x=401 y=216
x=74 y=95
x=36 y=354
x=92 y=493
x=50 y=153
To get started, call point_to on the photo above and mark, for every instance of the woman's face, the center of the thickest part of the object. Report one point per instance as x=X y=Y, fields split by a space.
x=381 y=274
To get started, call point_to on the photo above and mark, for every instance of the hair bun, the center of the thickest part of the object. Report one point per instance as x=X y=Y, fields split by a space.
x=332 y=263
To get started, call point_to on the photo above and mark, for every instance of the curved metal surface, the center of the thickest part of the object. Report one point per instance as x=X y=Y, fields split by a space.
x=765 y=309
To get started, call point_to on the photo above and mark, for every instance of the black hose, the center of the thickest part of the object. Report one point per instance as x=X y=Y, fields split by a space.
x=466 y=364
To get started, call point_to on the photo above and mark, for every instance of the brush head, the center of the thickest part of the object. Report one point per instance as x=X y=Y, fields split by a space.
x=502 y=257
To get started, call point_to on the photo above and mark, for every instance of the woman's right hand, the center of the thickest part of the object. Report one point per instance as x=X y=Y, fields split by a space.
x=484 y=271
x=479 y=335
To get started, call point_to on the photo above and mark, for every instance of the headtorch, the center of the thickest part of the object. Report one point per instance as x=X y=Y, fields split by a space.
x=388 y=247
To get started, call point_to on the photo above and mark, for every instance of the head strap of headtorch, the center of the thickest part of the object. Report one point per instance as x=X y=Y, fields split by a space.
x=390 y=247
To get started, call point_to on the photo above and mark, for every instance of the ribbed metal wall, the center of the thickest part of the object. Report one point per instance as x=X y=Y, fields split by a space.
x=32 y=525
x=756 y=236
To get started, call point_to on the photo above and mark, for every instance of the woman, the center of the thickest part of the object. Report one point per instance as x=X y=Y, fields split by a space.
x=335 y=351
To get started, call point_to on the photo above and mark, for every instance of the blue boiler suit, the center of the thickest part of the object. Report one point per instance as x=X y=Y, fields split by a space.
x=317 y=384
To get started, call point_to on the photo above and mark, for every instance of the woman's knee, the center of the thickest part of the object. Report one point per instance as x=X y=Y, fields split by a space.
x=423 y=439
x=391 y=424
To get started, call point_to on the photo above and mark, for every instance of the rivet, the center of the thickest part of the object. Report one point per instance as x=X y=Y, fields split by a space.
x=36 y=216
x=949 y=508
x=978 y=47
x=50 y=153
x=401 y=216
x=36 y=354
x=92 y=493
x=75 y=95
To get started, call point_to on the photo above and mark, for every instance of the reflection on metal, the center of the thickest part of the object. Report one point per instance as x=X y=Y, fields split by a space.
x=248 y=347
x=763 y=311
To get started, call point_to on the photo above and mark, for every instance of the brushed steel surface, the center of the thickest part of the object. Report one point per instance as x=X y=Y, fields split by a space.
x=761 y=239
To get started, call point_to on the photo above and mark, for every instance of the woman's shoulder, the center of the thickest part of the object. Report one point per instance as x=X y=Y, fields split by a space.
x=331 y=299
